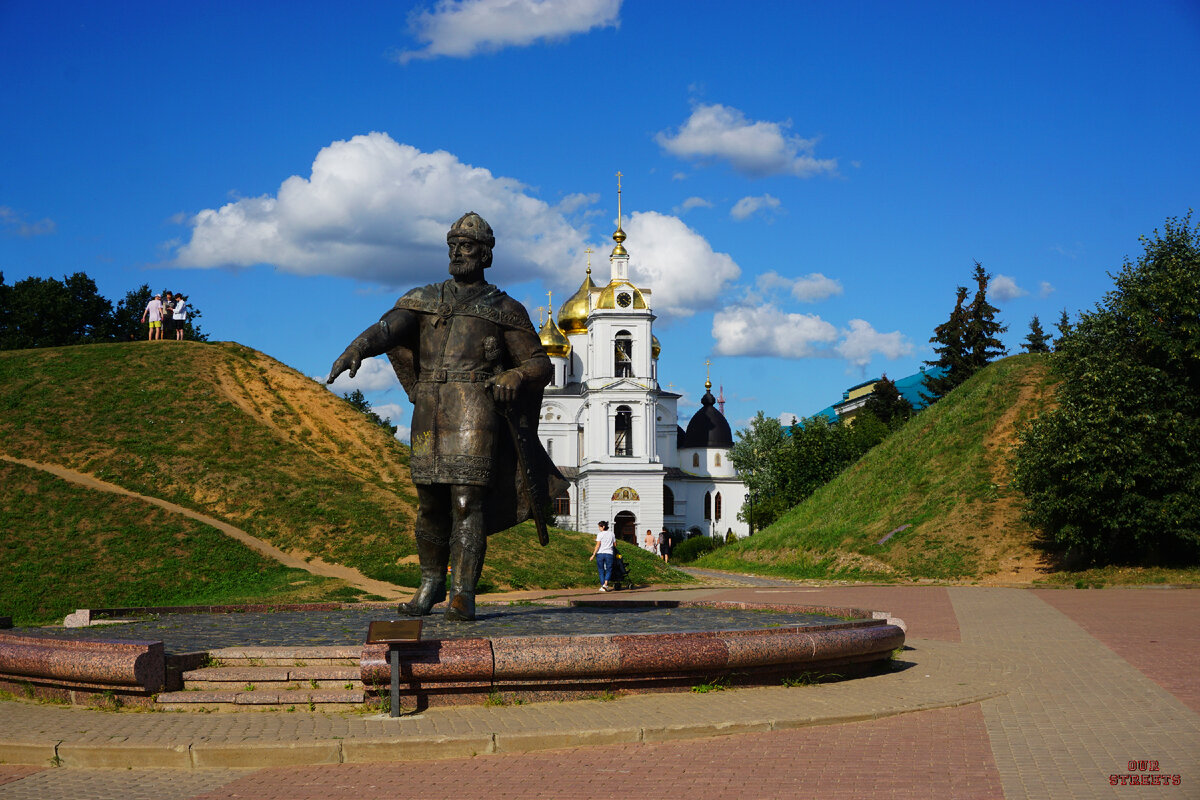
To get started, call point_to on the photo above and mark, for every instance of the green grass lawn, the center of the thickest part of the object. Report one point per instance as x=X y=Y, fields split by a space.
x=226 y=431
x=64 y=547
x=938 y=475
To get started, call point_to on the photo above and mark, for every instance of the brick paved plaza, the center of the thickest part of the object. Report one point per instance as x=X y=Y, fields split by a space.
x=1003 y=693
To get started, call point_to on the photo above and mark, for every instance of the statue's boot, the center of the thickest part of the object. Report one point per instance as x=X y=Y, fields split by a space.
x=434 y=557
x=468 y=565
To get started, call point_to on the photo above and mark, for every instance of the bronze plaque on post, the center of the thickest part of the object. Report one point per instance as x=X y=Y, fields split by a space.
x=394 y=631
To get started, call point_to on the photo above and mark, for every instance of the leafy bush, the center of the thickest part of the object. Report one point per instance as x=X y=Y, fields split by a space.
x=691 y=549
x=1111 y=474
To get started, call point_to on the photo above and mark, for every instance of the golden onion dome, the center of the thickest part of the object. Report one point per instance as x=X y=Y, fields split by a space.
x=655 y=346
x=553 y=340
x=572 y=317
x=619 y=238
x=611 y=296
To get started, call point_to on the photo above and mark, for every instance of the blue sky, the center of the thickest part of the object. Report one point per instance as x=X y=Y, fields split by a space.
x=804 y=184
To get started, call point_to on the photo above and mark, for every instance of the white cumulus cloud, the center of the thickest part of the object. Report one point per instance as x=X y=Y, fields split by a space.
x=750 y=205
x=810 y=288
x=462 y=28
x=861 y=342
x=378 y=210
x=768 y=331
x=1006 y=288
x=692 y=202
x=375 y=375
x=755 y=148
x=1045 y=289
x=680 y=267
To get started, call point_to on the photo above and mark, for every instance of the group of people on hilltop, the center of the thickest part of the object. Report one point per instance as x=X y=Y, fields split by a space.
x=167 y=311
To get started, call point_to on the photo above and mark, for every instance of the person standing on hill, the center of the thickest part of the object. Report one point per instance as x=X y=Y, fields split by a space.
x=154 y=310
x=169 y=314
x=180 y=315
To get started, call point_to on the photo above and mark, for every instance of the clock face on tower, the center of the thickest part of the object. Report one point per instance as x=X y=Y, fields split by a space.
x=624 y=299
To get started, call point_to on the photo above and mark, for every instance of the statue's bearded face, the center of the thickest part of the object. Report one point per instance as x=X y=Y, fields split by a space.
x=466 y=256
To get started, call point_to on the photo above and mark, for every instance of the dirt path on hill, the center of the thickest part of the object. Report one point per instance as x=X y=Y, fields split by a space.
x=316 y=566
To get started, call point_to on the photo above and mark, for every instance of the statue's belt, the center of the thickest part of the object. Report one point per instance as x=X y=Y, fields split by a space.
x=455 y=376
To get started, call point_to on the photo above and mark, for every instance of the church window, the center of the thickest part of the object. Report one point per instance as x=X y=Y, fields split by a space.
x=623 y=354
x=717 y=507
x=717 y=457
x=695 y=459
x=562 y=505
x=550 y=448
x=623 y=439
x=668 y=501
x=708 y=505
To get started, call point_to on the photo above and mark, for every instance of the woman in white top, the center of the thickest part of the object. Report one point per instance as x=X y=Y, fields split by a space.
x=603 y=554
x=180 y=316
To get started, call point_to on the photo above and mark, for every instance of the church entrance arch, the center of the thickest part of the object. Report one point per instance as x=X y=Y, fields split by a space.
x=626 y=527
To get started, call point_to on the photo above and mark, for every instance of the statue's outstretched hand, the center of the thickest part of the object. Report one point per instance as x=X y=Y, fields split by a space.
x=349 y=360
x=506 y=386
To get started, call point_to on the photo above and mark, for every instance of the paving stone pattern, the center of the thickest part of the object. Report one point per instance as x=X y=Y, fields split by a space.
x=1076 y=712
x=1155 y=630
x=942 y=754
x=119 y=784
x=182 y=633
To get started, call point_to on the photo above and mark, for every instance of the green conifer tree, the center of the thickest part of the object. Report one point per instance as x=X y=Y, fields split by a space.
x=1037 y=340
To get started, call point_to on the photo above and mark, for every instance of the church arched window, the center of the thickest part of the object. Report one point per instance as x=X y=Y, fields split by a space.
x=695 y=459
x=708 y=505
x=623 y=434
x=717 y=507
x=717 y=459
x=623 y=354
x=668 y=502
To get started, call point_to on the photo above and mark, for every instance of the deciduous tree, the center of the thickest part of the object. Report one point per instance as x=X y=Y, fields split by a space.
x=1111 y=474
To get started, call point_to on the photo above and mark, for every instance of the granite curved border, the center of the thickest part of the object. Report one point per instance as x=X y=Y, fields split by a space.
x=547 y=667
x=91 y=664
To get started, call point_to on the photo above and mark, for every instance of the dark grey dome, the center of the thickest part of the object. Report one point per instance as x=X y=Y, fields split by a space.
x=708 y=428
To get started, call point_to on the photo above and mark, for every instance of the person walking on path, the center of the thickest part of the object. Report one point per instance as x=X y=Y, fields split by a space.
x=664 y=545
x=603 y=554
x=650 y=542
x=180 y=315
x=154 y=310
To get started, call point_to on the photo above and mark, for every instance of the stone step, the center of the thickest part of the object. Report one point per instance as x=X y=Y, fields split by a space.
x=278 y=677
x=286 y=656
x=262 y=700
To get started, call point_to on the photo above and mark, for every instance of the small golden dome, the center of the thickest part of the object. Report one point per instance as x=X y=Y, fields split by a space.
x=655 y=346
x=553 y=340
x=610 y=296
x=619 y=238
x=572 y=317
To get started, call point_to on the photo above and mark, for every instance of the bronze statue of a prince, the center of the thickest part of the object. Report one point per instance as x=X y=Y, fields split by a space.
x=474 y=369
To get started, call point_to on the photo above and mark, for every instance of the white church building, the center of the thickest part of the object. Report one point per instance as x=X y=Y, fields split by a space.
x=615 y=433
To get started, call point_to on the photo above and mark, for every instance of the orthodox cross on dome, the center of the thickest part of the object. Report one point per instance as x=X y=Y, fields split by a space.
x=589 y=252
x=707 y=379
x=619 y=199
x=619 y=234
